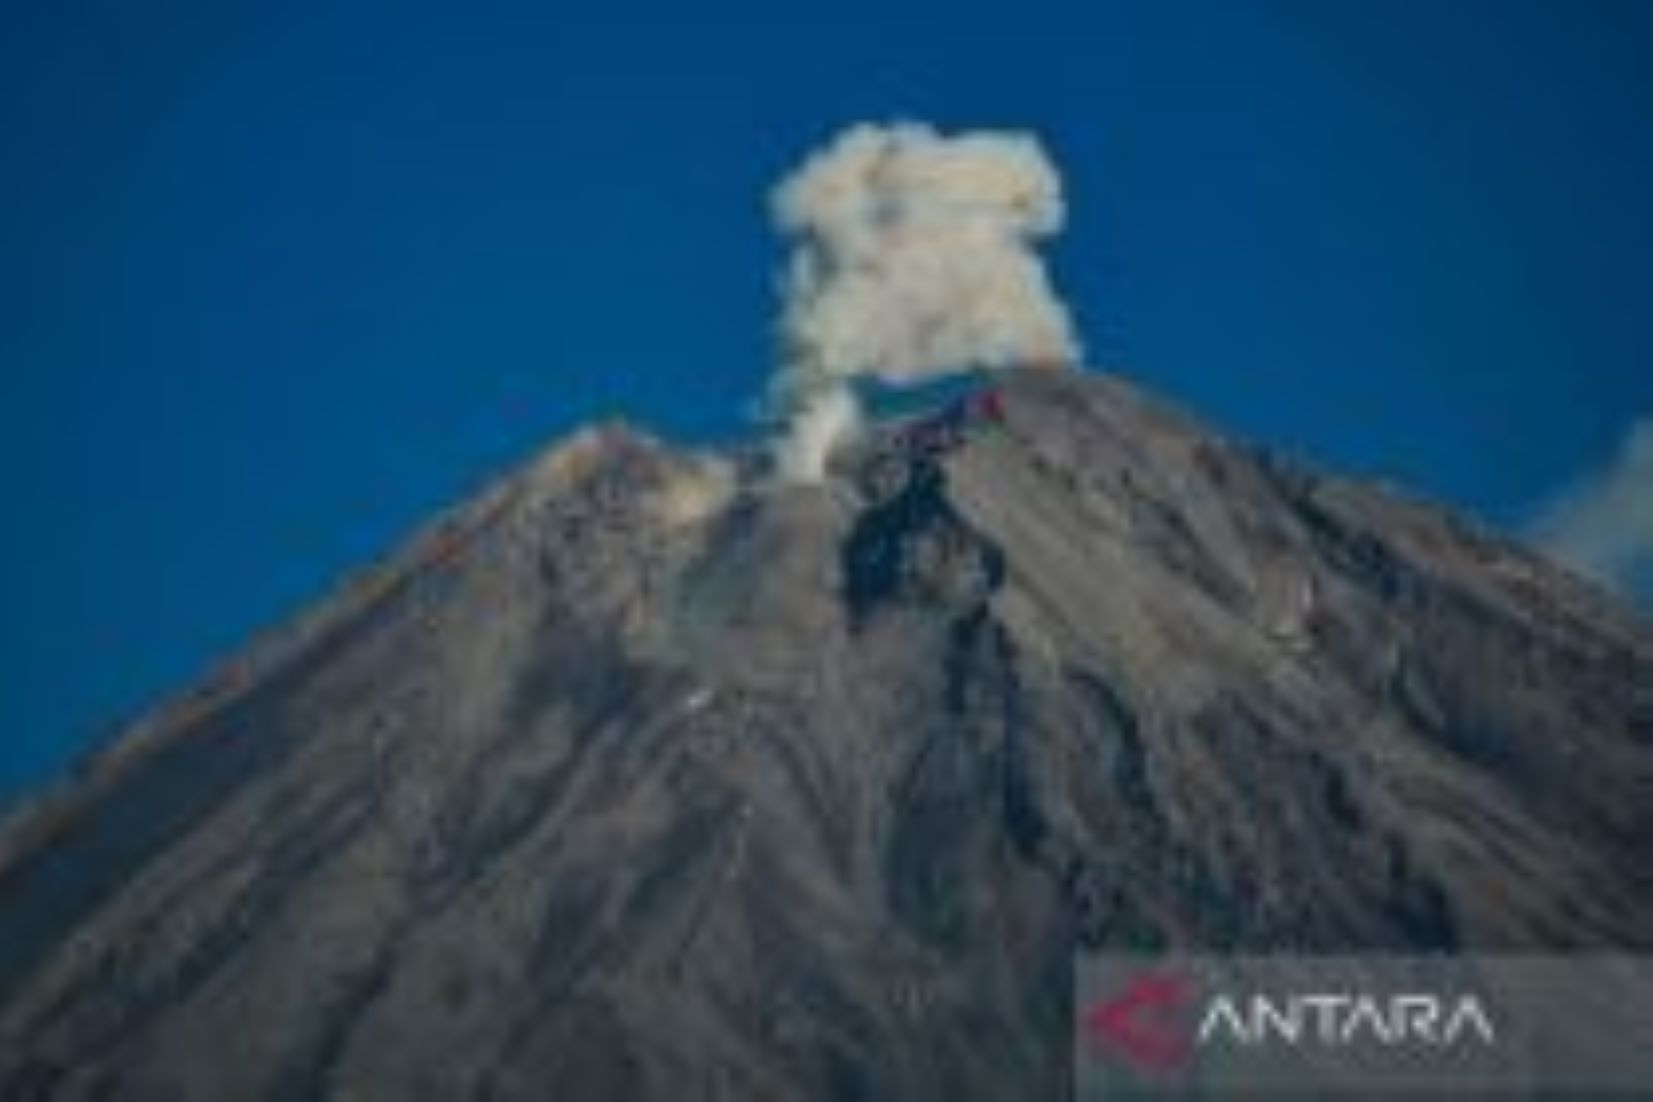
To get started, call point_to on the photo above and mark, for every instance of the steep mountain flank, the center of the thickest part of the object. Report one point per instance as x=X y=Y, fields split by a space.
x=639 y=778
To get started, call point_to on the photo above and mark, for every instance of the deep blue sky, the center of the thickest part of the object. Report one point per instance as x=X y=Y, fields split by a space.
x=276 y=281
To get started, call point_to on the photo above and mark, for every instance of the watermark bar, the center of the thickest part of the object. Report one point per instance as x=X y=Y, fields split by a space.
x=1363 y=1026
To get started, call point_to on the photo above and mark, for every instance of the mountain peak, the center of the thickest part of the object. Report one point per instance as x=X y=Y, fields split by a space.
x=641 y=776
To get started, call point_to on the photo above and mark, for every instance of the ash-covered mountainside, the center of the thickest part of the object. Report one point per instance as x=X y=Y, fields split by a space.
x=635 y=779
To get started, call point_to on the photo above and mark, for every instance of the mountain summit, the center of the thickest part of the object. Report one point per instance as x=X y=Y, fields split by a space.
x=634 y=778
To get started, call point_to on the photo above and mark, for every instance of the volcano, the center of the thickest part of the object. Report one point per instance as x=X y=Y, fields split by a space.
x=639 y=777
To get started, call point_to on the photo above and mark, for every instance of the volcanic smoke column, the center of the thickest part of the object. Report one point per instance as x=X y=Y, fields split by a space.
x=914 y=258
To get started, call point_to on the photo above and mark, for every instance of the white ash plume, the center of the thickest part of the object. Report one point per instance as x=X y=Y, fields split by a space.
x=915 y=258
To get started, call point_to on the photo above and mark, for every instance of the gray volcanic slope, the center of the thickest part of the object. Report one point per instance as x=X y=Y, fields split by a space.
x=634 y=779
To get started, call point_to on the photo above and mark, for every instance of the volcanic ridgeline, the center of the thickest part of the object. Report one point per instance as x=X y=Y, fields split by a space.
x=635 y=778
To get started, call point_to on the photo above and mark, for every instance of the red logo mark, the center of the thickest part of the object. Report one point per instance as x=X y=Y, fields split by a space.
x=1142 y=1024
